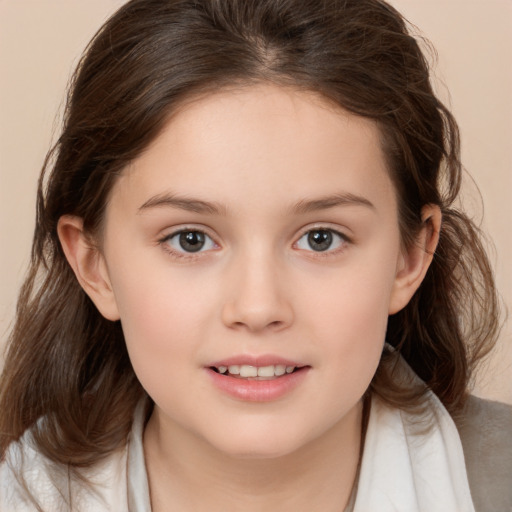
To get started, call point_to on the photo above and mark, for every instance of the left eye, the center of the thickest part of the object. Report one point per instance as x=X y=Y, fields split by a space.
x=190 y=241
x=320 y=240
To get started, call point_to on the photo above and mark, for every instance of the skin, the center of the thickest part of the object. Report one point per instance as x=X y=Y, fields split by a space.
x=265 y=159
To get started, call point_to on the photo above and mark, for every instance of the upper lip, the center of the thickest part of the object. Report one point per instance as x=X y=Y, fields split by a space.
x=259 y=361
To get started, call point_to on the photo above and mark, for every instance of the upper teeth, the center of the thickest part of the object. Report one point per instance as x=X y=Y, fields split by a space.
x=246 y=370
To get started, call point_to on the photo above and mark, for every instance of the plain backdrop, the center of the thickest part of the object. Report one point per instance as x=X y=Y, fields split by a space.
x=41 y=41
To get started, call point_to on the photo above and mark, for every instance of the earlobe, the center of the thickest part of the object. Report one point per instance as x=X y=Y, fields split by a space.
x=415 y=261
x=88 y=264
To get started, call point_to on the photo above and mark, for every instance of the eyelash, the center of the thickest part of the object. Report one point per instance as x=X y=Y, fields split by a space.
x=164 y=242
x=328 y=252
x=344 y=240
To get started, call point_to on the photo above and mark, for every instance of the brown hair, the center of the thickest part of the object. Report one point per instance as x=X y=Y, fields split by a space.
x=69 y=364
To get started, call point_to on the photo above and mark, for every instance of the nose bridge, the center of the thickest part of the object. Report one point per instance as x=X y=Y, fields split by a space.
x=256 y=296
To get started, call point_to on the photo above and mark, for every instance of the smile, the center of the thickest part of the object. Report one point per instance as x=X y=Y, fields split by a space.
x=246 y=371
x=257 y=379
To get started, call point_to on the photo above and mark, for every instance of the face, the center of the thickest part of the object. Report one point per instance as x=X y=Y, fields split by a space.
x=253 y=252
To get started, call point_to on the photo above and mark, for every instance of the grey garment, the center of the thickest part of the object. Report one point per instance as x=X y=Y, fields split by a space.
x=485 y=429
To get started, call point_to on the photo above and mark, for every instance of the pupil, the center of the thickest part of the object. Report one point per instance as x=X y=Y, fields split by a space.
x=192 y=241
x=320 y=240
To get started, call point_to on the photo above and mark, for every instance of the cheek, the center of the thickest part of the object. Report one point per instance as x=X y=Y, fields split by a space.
x=354 y=301
x=355 y=338
x=163 y=315
x=349 y=320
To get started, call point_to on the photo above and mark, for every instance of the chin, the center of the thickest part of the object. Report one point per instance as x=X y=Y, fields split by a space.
x=260 y=442
x=252 y=452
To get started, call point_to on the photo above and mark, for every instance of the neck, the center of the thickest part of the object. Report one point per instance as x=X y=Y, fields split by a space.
x=192 y=475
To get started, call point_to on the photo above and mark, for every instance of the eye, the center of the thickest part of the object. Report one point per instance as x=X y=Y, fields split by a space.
x=189 y=241
x=321 y=240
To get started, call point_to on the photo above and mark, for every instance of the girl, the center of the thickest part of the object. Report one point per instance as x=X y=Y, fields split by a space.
x=249 y=286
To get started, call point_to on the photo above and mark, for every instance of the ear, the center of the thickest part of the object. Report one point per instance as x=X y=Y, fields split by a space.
x=88 y=265
x=415 y=261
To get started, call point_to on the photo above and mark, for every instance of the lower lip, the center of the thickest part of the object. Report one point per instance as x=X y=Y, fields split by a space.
x=258 y=390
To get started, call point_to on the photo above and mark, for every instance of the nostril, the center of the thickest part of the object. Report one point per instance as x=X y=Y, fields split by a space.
x=256 y=316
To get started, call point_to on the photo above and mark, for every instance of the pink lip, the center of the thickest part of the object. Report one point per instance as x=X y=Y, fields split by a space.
x=252 y=390
x=261 y=360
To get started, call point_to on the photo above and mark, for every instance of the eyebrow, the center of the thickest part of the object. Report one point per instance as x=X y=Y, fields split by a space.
x=331 y=201
x=183 y=203
x=206 y=207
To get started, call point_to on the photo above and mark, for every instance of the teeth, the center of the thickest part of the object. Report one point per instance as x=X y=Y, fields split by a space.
x=246 y=370
x=266 y=371
x=279 y=370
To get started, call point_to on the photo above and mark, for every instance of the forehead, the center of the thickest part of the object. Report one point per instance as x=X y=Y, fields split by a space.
x=261 y=142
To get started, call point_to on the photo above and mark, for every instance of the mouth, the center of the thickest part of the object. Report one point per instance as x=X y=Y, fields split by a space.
x=249 y=372
x=257 y=379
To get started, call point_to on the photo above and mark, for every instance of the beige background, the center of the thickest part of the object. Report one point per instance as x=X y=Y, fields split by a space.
x=41 y=40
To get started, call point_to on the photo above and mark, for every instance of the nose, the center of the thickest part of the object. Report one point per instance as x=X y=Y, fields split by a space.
x=256 y=297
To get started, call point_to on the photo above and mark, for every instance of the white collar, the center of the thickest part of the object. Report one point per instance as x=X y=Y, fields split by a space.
x=409 y=469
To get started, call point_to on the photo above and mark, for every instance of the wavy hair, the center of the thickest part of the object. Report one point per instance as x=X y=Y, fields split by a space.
x=69 y=364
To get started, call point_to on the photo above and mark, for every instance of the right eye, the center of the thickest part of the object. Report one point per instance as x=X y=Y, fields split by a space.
x=189 y=241
x=321 y=240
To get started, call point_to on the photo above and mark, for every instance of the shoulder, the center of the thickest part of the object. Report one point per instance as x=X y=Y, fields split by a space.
x=29 y=481
x=485 y=429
